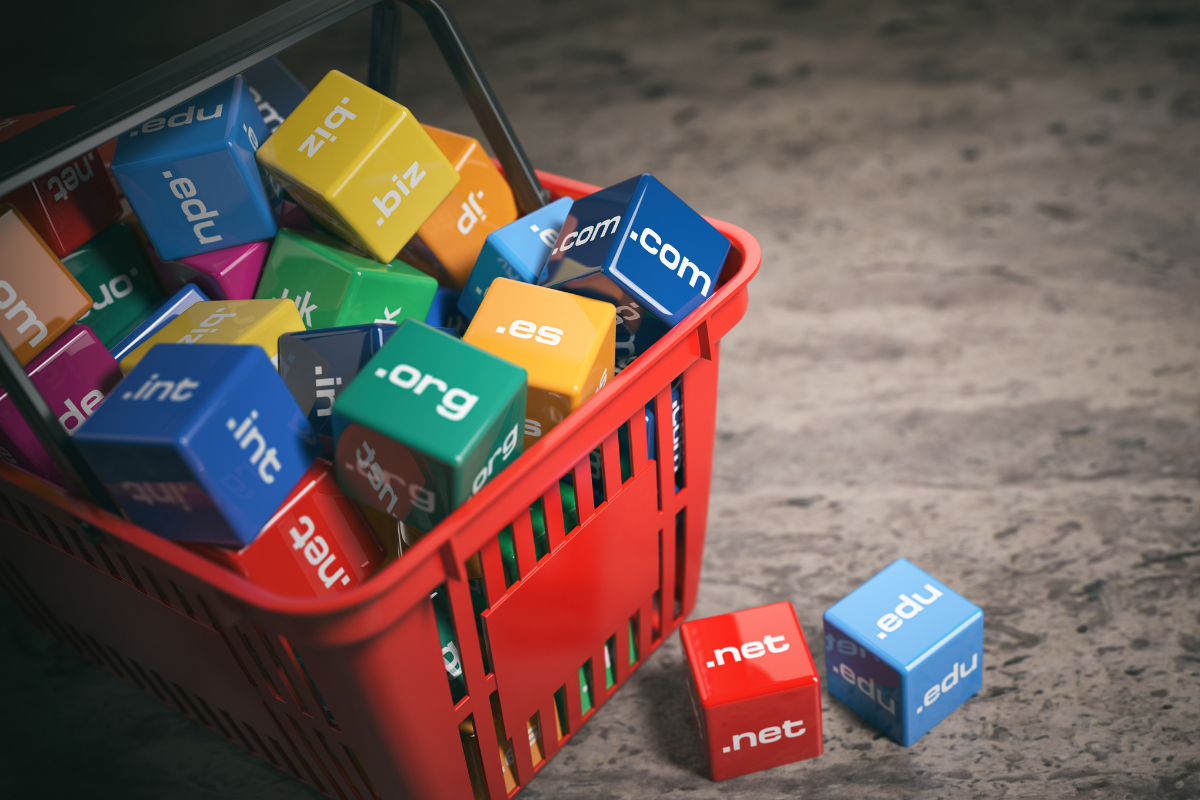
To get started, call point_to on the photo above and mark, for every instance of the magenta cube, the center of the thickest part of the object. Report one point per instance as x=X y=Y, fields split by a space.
x=229 y=274
x=74 y=374
x=293 y=216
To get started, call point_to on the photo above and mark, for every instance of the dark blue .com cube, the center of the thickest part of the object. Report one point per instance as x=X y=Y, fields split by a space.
x=200 y=442
x=904 y=650
x=637 y=241
x=191 y=176
x=276 y=91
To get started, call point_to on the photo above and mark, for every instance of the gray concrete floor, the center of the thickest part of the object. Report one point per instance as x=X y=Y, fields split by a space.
x=974 y=343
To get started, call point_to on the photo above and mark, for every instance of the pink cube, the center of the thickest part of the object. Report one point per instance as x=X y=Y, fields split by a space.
x=73 y=374
x=229 y=274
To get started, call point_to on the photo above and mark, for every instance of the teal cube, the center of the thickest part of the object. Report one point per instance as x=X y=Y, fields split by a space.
x=113 y=270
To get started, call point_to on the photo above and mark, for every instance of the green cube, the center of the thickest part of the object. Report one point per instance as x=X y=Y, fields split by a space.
x=113 y=270
x=426 y=424
x=334 y=286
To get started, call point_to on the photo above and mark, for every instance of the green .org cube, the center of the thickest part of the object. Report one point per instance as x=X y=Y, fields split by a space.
x=334 y=286
x=426 y=424
x=113 y=270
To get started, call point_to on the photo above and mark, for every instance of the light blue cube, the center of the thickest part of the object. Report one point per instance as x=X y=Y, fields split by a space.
x=200 y=442
x=191 y=176
x=904 y=650
x=518 y=251
x=187 y=296
x=637 y=241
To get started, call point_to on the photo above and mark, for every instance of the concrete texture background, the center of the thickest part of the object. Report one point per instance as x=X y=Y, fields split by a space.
x=974 y=343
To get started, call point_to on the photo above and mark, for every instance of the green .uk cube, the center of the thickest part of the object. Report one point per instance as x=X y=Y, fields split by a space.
x=334 y=286
x=112 y=268
x=426 y=424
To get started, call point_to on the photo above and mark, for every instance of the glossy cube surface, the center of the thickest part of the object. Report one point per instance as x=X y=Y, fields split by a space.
x=517 y=251
x=259 y=322
x=361 y=164
x=904 y=650
x=637 y=240
x=755 y=692
x=39 y=297
x=191 y=177
x=276 y=91
x=450 y=240
x=444 y=313
x=201 y=443
x=73 y=375
x=70 y=204
x=563 y=341
x=175 y=305
x=229 y=274
x=113 y=270
x=332 y=286
x=429 y=421
x=315 y=545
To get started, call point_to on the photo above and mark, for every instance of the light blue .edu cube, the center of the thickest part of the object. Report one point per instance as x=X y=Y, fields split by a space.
x=192 y=178
x=904 y=650
x=200 y=442
x=518 y=251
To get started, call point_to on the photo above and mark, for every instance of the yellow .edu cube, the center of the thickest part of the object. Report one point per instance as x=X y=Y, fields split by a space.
x=259 y=322
x=566 y=343
x=361 y=164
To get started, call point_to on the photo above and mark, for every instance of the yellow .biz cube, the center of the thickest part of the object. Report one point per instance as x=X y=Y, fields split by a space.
x=566 y=343
x=361 y=164
x=259 y=322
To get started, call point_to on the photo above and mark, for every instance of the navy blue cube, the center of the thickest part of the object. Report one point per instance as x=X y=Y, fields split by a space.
x=191 y=176
x=638 y=241
x=275 y=90
x=200 y=442
x=904 y=650
x=443 y=311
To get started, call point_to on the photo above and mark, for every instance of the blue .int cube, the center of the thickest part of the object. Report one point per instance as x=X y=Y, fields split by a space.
x=904 y=650
x=192 y=178
x=444 y=313
x=200 y=442
x=275 y=90
x=638 y=241
x=188 y=295
x=518 y=251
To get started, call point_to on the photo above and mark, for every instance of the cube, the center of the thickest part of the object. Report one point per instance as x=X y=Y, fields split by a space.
x=318 y=365
x=203 y=443
x=637 y=330
x=182 y=300
x=361 y=164
x=113 y=269
x=517 y=251
x=332 y=286
x=638 y=241
x=450 y=240
x=426 y=425
x=259 y=322
x=275 y=90
x=191 y=177
x=68 y=205
x=904 y=650
x=564 y=342
x=315 y=545
x=73 y=375
x=444 y=313
x=755 y=692
x=229 y=274
x=39 y=297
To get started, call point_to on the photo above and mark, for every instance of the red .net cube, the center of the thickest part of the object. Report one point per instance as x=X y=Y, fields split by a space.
x=754 y=690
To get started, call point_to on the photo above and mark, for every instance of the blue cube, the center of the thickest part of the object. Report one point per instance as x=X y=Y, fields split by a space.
x=904 y=650
x=191 y=176
x=637 y=330
x=444 y=313
x=518 y=251
x=188 y=295
x=200 y=443
x=275 y=90
x=638 y=241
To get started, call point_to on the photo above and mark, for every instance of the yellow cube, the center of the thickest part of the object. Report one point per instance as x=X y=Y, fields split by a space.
x=361 y=164
x=259 y=322
x=566 y=343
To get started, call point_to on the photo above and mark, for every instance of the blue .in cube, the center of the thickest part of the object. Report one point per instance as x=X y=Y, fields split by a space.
x=444 y=313
x=188 y=295
x=275 y=90
x=518 y=251
x=200 y=443
x=191 y=176
x=638 y=241
x=904 y=650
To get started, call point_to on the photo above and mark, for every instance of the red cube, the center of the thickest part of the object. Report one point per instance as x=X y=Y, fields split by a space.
x=317 y=544
x=754 y=689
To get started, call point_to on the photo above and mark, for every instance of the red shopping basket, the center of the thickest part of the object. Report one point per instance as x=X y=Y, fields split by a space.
x=350 y=693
